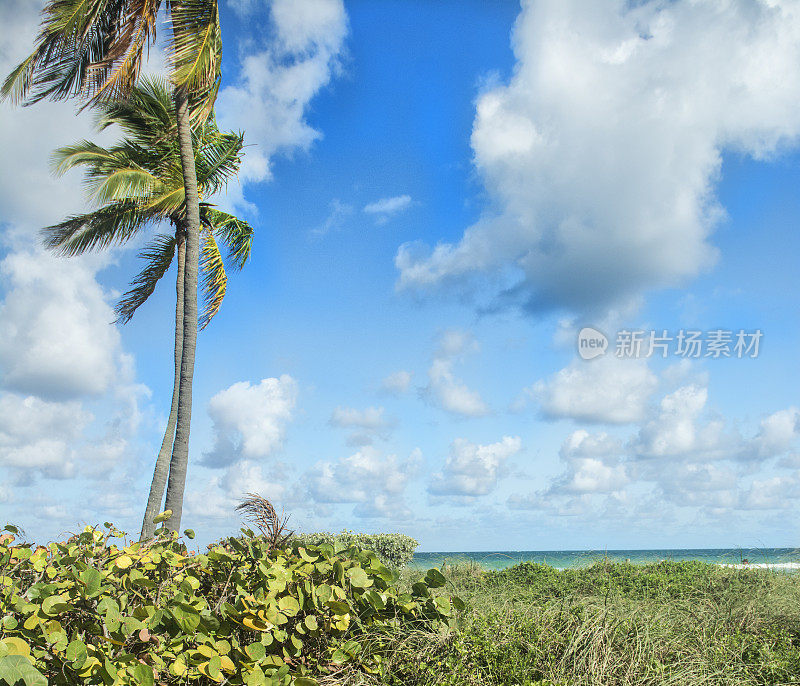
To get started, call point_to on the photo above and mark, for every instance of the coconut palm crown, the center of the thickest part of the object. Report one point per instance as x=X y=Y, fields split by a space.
x=137 y=183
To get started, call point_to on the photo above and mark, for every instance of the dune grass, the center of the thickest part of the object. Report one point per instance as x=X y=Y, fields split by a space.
x=613 y=624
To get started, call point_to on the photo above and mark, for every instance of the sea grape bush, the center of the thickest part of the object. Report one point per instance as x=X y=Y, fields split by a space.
x=89 y=611
x=394 y=550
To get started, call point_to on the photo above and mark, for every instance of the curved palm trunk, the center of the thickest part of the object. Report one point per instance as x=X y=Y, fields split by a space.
x=162 y=462
x=180 y=450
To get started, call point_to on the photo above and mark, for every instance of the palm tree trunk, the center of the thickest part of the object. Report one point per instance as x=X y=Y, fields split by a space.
x=162 y=462
x=180 y=450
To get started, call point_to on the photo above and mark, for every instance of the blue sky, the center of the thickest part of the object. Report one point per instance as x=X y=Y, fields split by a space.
x=443 y=194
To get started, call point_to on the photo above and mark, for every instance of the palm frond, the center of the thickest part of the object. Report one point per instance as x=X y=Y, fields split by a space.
x=235 y=233
x=196 y=52
x=146 y=116
x=215 y=280
x=129 y=182
x=115 y=223
x=74 y=34
x=117 y=72
x=217 y=159
x=159 y=255
x=167 y=200
x=18 y=82
x=81 y=153
x=260 y=512
x=91 y=48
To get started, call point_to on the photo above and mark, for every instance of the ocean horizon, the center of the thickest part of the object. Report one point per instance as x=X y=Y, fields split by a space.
x=563 y=559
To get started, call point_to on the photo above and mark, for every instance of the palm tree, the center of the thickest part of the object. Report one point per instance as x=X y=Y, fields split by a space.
x=138 y=182
x=94 y=49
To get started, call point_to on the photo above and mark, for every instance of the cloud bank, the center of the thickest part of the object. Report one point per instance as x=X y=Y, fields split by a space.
x=601 y=153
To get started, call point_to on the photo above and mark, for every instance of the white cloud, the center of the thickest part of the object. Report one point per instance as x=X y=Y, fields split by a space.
x=603 y=390
x=473 y=470
x=369 y=424
x=386 y=208
x=294 y=59
x=397 y=383
x=373 y=481
x=777 y=434
x=601 y=153
x=677 y=429
x=775 y=493
x=593 y=464
x=56 y=338
x=338 y=212
x=444 y=388
x=250 y=420
x=681 y=455
x=219 y=497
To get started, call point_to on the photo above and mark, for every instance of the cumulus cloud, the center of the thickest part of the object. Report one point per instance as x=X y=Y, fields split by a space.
x=55 y=335
x=473 y=470
x=678 y=429
x=444 y=388
x=369 y=423
x=370 y=479
x=250 y=420
x=681 y=455
x=776 y=435
x=593 y=464
x=293 y=59
x=601 y=152
x=386 y=208
x=397 y=383
x=604 y=390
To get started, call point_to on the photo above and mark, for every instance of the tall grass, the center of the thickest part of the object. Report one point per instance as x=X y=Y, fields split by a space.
x=685 y=623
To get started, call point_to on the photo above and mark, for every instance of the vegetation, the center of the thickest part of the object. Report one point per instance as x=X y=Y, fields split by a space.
x=394 y=550
x=87 y=611
x=94 y=51
x=613 y=624
x=137 y=184
x=267 y=609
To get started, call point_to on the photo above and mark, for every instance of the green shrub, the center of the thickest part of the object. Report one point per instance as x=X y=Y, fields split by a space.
x=667 y=579
x=87 y=611
x=394 y=550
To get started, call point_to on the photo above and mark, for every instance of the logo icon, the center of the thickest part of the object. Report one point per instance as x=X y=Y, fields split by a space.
x=591 y=343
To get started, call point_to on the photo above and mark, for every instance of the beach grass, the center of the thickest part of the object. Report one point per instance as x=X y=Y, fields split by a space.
x=610 y=624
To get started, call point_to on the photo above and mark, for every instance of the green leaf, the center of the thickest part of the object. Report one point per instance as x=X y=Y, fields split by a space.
x=189 y=533
x=142 y=675
x=338 y=607
x=11 y=528
x=358 y=577
x=420 y=589
x=163 y=517
x=435 y=579
x=311 y=623
x=91 y=579
x=76 y=653
x=305 y=681
x=289 y=605
x=324 y=593
x=256 y=651
x=54 y=605
x=15 y=668
x=308 y=556
x=186 y=616
x=442 y=604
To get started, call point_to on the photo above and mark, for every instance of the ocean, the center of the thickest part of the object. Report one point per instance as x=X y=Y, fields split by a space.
x=786 y=558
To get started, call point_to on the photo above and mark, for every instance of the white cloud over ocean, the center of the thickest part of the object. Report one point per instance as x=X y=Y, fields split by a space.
x=601 y=153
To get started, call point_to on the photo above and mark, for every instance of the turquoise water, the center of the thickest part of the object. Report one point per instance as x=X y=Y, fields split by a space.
x=563 y=559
